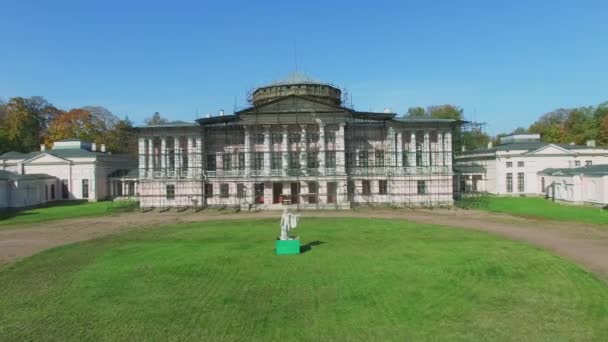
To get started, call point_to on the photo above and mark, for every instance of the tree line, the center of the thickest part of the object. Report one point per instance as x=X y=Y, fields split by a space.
x=26 y=123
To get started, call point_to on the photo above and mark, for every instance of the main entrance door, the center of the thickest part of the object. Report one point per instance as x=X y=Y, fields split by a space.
x=277 y=193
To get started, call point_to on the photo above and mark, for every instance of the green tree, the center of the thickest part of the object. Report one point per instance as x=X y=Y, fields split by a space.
x=123 y=138
x=445 y=112
x=24 y=125
x=416 y=112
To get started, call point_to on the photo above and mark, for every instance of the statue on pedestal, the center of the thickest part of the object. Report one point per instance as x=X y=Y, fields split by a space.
x=286 y=244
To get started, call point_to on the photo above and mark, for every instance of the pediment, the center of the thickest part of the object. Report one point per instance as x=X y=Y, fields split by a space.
x=45 y=158
x=292 y=104
x=551 y=149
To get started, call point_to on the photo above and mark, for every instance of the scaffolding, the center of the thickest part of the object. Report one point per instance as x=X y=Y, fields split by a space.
x=303 y=152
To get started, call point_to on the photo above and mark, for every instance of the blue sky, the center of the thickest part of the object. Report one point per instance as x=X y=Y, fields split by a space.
x=504 y=62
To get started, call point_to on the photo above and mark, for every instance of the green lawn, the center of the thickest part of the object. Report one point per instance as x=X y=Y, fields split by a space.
x=62 y=210
x=536 y=207
x=362 y=279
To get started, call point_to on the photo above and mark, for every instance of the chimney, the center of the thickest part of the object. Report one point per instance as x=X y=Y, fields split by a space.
x=42 y=147
x=103 y=148
x=590 y=143
x=93 y=147
x=490 y=145
x=221 y=112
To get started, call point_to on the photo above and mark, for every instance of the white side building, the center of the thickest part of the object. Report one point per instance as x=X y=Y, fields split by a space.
x=512 y=167
x=588 y=184
x=82 y=170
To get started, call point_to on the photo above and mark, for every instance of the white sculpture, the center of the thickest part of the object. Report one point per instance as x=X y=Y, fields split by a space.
x=289 y=221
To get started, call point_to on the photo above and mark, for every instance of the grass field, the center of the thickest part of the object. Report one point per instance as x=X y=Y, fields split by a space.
x=536 y=207
x=361 y=279
x=62 y=210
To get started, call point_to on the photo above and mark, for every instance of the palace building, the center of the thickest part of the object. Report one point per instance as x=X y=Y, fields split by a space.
x=297 y=145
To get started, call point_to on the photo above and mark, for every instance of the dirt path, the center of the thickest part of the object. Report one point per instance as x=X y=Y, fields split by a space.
x=585 y=244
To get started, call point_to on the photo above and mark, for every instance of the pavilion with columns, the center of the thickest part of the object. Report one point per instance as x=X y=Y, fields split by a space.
x=297 y=145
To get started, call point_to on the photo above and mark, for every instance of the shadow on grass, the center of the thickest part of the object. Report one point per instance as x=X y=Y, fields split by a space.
x=308 y=247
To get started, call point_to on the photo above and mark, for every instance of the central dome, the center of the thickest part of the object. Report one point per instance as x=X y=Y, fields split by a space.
x=297 y=84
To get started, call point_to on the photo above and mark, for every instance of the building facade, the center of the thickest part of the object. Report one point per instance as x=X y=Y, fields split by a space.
x=82 y=170
x=297 y=146
x=588 y=184
x=512 y=167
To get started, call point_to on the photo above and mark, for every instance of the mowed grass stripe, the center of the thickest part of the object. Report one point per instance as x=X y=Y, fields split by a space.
x=367 y=280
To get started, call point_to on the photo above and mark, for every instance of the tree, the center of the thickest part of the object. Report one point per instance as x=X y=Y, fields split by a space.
x=156 y=120
x=23 y=124
x=520 y=130
x=601 y=121
x=416 y=112
x=75 y=124
x=104 y=122
x=122 y=139
x=445 y=112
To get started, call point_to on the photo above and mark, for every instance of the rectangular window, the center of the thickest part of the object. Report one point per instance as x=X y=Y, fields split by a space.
x=227 y=161
x=224 y=190
x=52 y=191
x=65 y=191
x=208 y=190
x=294 y=160
x=509 y=164
x=295 y=137
x=350 y=188
x=330 y=136
x=277 y=161
x=240 y=190
x=421 y=187
x=577 y=163
x=350 y=160
x=184 y=162
x=332 y=192
x=277 y=138
x=419 y=155
x=131 y=189
x=258 y=138
x=330 y=159
x=366 y=187
x=520 y=164
x=312 y=137
x=312 y=160
x=258 y=161
x=405 y=162
x=313 y=192
x=379 y=158
x=509 y=182
x=520 y=182
x=211 y=162
x=170 y=191
x=382 y=187
x=46 y=192
x=85 y=188
x=588 y=163
x=241 y=157
x=363 y=159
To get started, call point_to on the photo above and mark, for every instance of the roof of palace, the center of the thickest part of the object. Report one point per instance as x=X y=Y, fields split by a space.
x=7 y=175
x=591 y=170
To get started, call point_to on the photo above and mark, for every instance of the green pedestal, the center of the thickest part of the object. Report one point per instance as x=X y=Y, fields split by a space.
x=285 y=247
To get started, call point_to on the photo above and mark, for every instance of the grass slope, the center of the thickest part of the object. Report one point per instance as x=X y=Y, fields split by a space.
x=536 y=207
x=362 y=279
x=62 y=210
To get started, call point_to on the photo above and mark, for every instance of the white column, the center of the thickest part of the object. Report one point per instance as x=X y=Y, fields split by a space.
x=303 y=149
x=426 y=149
x=399 y=152
x=141 y=150
x=177 y=156
x=322 y=148
x=285 y=148
x=163 y=155
x=440 y=150
x=447 y=143
x=190 y=154
x=247 y=150
x=340 y=150
x=150 y=156
x=267 y=151
x=198 y=150
x=412 y=152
